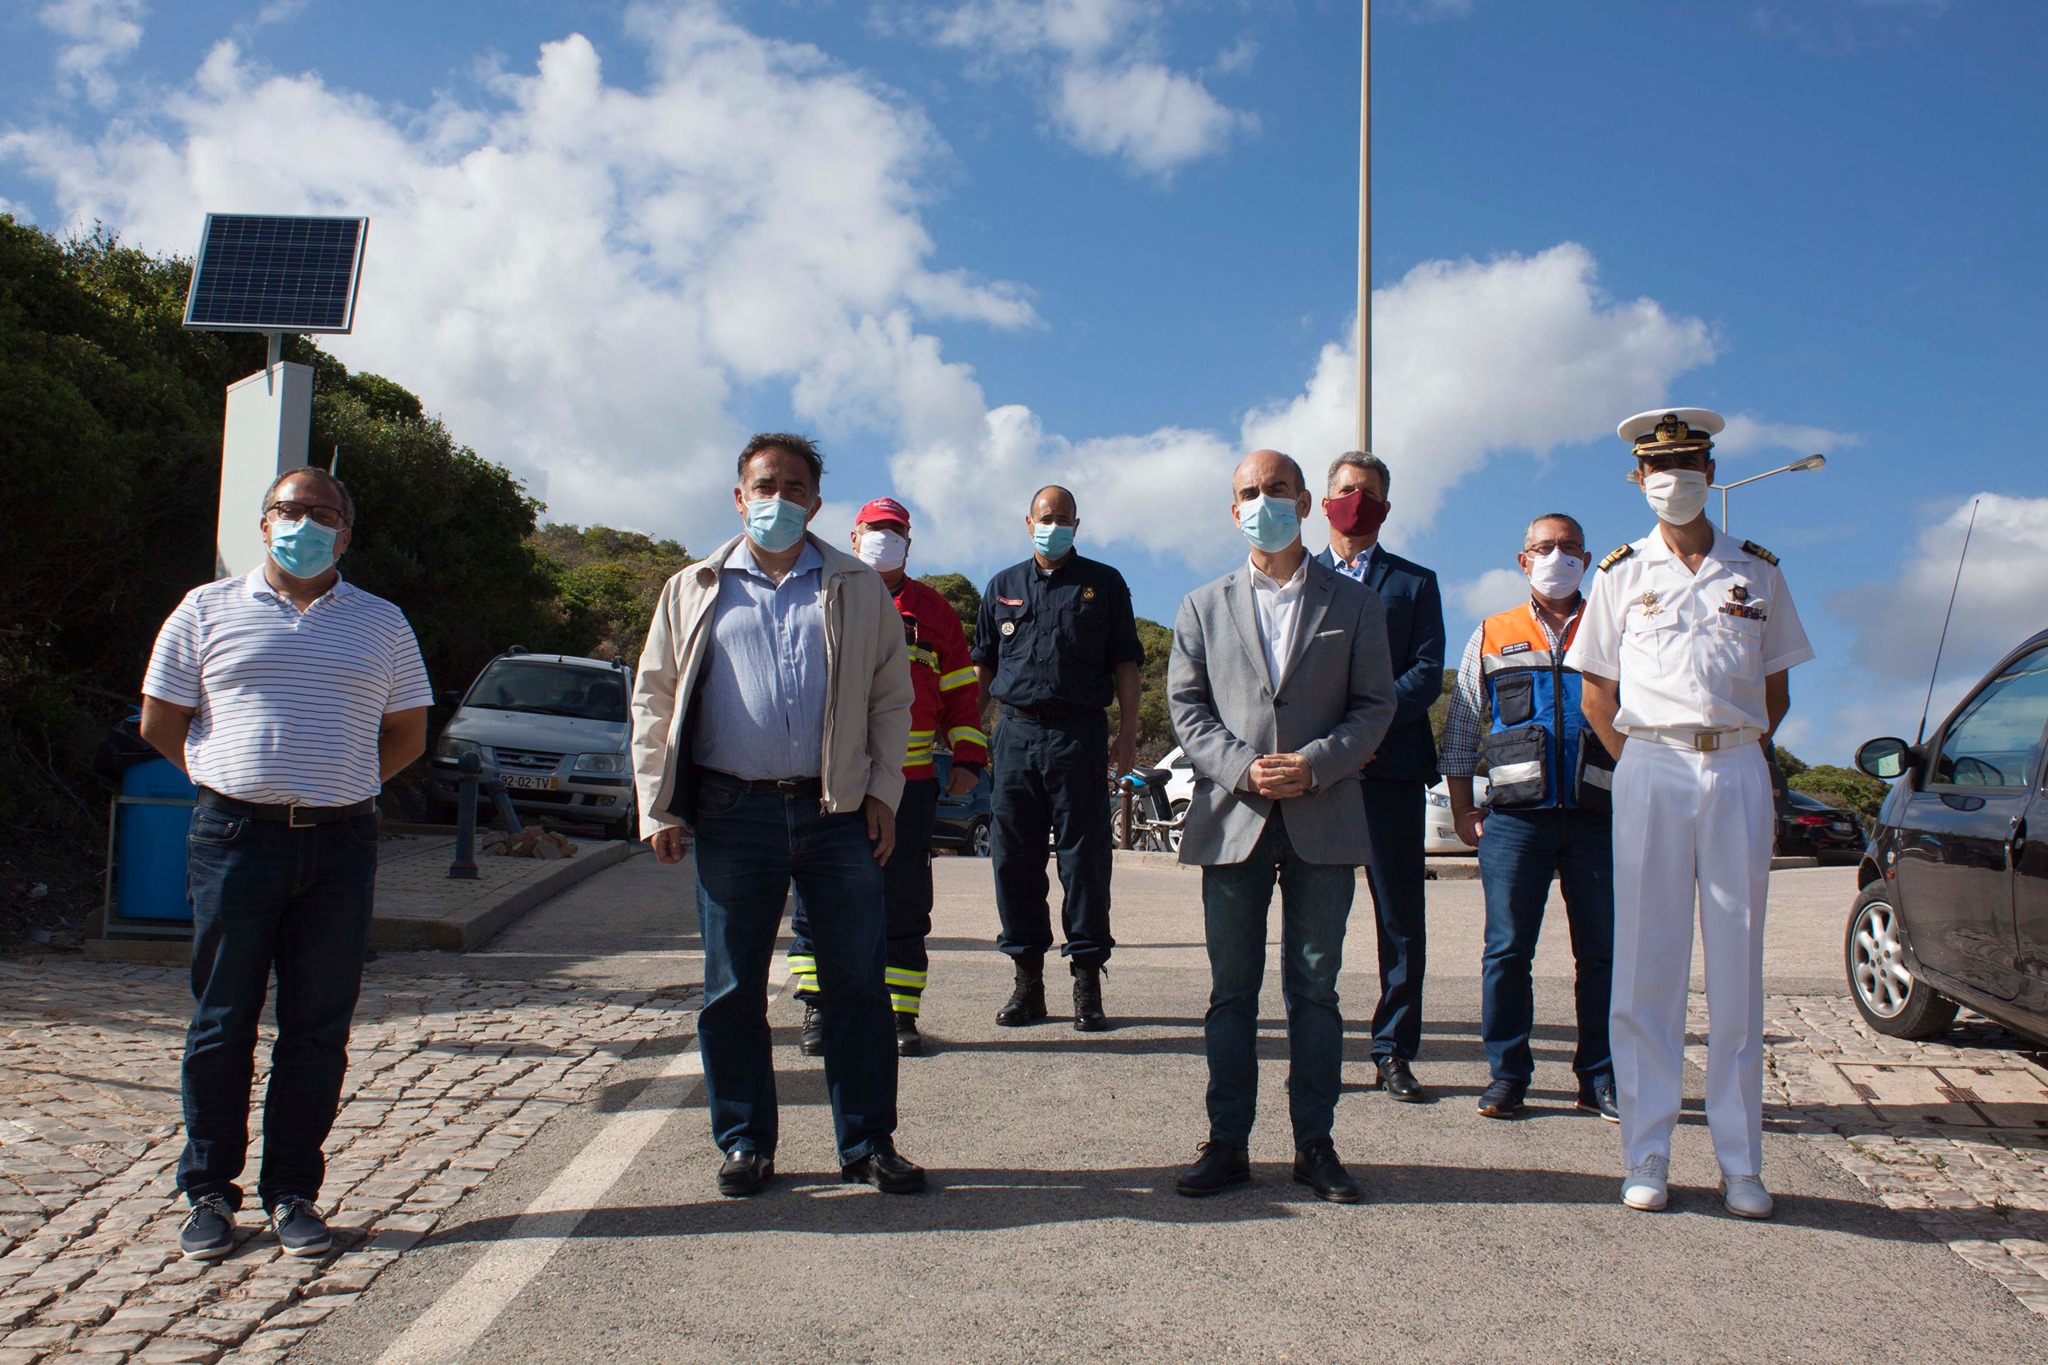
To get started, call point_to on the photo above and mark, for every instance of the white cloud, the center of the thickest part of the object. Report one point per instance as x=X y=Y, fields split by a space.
x=1745 y=435
x=1095 y=64
x=101 y=34
x=1495 y=590
x=1155 y=119
x=1474 y=358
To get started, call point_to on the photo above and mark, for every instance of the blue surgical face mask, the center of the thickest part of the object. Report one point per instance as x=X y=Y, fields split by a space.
x=302 y=548
x=1270 y=524
x=1053 y=541
x=775 y=525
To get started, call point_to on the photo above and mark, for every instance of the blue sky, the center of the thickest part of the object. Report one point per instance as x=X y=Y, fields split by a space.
x=1110 y=242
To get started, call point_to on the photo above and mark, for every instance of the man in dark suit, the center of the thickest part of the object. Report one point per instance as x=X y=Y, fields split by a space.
x=1398 y=775
x=1280 y=691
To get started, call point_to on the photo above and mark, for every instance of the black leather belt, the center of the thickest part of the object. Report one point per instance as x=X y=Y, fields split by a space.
x=1050 y=711
x=298 y=817
x=774 y=786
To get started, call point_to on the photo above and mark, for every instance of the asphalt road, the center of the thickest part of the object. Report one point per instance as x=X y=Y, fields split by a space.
x=1053 y=1233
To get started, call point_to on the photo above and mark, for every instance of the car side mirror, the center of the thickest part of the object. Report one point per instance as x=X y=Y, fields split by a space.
x=1885 y=759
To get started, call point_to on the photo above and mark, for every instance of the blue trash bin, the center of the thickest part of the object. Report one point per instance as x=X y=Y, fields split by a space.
x=149 y=863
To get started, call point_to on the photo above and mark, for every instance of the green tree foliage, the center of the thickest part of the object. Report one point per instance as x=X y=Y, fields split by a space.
x=961 y=594
x=1849 y=788
x=1440 y=709
x=1789 y=763
x=1155 y=729
x=607 y=583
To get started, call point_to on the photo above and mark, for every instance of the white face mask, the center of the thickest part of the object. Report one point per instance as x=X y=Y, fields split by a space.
x=882 y=551
x=1556 y=575
x=1677 y=496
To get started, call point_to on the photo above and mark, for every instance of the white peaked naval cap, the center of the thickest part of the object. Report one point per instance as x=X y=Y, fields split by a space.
x=1671 y=426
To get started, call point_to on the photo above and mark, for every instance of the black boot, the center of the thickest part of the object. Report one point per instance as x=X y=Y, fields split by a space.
x=1027 y=998
x=909 y=1042
x=1088 y=1016
x=811 y=1038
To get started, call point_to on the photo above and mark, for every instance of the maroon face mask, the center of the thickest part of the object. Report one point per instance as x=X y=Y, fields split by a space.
x=1357 y=513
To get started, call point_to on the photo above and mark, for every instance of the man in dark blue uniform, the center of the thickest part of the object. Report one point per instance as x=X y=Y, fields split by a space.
x=1398 y=775
x=1056 y=643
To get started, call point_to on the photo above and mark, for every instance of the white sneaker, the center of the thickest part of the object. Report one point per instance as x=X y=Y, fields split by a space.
x=1746 y=1196
x=1645 y=1186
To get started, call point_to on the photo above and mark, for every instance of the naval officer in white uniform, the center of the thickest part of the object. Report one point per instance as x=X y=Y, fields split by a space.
x=1684 y=646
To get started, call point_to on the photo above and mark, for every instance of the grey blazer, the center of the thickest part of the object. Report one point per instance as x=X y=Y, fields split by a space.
x=1335 y=702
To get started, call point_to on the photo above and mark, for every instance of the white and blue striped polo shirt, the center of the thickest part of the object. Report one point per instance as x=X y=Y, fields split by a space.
x=288 y=704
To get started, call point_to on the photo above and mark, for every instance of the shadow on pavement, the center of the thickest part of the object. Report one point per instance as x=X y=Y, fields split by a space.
x=979 y=1200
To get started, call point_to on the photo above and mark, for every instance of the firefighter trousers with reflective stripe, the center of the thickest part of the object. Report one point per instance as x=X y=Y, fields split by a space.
x=907 y=889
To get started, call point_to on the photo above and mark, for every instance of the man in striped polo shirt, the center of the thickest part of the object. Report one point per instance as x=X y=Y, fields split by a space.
x=288 y=696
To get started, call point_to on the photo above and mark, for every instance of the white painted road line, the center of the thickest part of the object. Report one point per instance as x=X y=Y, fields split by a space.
x=469 y=1307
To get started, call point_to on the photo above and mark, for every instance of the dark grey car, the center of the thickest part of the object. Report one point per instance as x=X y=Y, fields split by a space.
x=1953 y=900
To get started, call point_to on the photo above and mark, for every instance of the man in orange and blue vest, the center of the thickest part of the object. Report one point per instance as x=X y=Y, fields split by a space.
x=1549 y=813
x=946 y=706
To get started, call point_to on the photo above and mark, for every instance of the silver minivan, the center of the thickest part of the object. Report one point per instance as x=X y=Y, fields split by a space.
x=553 y=728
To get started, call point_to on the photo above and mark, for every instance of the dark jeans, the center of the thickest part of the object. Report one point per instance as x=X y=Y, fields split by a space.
x=1394 y=826
x=1315 y=902
x=907 y=893
x=1052 y=776
x=1517 y=853
x=751 y=846
x=267 y=899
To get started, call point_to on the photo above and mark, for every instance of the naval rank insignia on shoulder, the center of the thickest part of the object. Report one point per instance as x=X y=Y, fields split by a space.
x=1615 y=557
x=1756 y=551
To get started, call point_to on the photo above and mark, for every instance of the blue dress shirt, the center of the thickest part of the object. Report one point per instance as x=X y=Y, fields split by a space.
x=764 y=680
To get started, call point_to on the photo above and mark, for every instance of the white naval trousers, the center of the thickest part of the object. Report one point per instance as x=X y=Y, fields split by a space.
x=1690 y=829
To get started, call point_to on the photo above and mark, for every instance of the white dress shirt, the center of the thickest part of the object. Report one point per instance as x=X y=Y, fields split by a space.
x=1279 y=610
x=1691 y=651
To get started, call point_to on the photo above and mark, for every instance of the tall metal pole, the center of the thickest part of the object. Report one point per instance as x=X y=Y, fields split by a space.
x=1365 y=229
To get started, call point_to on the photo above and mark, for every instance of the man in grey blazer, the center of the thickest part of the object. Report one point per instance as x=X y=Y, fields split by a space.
x=1280 y=690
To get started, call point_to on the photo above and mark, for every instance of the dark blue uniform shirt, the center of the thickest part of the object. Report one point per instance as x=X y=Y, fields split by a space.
x=1056 y=638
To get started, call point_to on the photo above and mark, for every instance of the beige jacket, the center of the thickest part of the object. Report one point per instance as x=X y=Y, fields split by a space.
x=867 y=695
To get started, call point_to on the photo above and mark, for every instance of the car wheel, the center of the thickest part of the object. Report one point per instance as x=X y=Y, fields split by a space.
x=1180 y=811
x=1887 y=995
x=978 y=842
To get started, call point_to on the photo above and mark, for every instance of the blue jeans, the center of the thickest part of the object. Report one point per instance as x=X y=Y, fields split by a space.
x=267 y=898
x=751 y=846
x=1517 y=854
x=1315 y=902
x=1394 y=818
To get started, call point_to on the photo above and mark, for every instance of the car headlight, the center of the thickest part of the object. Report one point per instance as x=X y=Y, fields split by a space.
x=600 y=763
x=452 y=749
x=1439 y=799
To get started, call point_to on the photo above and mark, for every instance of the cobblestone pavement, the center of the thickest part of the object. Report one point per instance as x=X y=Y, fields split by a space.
x=1952 y=1133
x=448 y=1076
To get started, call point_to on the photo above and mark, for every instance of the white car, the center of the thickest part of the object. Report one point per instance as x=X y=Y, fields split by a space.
x=1180 y=788
x=1440 y=832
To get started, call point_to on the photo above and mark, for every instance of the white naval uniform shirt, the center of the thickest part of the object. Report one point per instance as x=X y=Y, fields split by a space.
x=1279 y=610
x=1691 y=651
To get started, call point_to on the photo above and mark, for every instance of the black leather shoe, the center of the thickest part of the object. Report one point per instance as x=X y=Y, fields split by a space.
x=811 y=1041
x=1399 y=1082
x=745 y=1172
x=1026 y=1004
x=885 y=1170
x=1598 y=1098
x=909 y=1042
x=1217 y=1169
x=1502 y=1100
x=1317 y=1167
x=1088 y=1016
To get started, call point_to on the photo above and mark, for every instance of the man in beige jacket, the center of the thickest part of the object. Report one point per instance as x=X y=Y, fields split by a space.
x=770 y=719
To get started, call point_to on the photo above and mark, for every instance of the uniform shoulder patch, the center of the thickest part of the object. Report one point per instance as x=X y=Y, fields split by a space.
x=1615 y=557
x=1756 y=551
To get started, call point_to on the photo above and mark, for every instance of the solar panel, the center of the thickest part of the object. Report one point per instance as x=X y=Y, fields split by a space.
x=270 y=274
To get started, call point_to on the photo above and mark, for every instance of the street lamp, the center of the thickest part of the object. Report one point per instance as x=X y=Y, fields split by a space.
x=1796 y=467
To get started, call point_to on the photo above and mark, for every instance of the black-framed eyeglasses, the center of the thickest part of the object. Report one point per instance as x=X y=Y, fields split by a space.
x=1544 y=547
x=330 y=517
